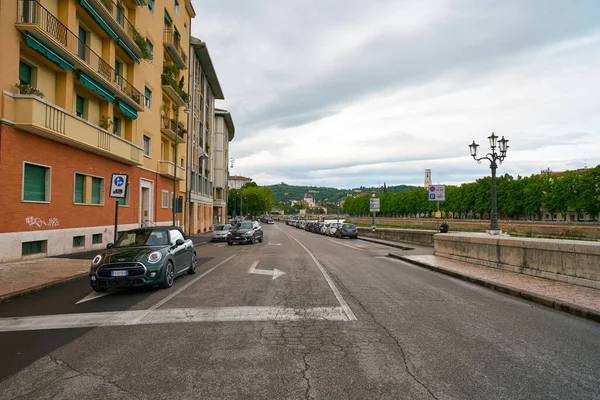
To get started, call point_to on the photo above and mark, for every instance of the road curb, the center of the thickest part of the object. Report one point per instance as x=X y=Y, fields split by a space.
x=368 y=239
x=524 y=294
x=45 y=285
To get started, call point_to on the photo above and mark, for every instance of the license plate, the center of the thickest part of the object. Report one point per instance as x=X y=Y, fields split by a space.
x=119 y=273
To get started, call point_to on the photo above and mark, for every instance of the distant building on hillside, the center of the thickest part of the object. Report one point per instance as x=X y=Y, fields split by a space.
x=237 y=181
x=309 y=200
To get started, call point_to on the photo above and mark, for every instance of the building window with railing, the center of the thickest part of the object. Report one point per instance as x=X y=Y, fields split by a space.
x=80 y=106
x=177 y=7
x=82 y=43
x=117 y=126
x=148 y=97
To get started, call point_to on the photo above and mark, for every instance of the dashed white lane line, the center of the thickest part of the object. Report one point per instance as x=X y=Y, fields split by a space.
x=171 y=316
x=335 y=290
x=347 y=245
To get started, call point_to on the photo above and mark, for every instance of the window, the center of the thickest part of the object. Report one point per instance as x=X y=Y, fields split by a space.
x=80 y=106
x=24 y=74
x=117 y=126
x=175 y=234
x=78 y=241
x=177 y=7
x=165 y=199
x=36 y=247
x=150 y=49
x=148 y=96
x=118 y=70
x=185 y=29
x=182 y=161
x=97 y=190
x=79 y=189
x=120 y=15
x=146 y=145
x=36 y=183
x=81 y=44
x=124 y=201
x=97 y=238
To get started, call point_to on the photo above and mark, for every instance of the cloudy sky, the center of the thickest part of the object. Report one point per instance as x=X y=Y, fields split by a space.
x=345 y=93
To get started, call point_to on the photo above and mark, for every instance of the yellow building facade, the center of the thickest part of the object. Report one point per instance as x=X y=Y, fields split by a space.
x=90 y=88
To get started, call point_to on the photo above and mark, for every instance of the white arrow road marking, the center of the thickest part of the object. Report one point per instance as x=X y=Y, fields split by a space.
x=170 y=316
x=274 y=244
x=94 y=296
x=276 y=273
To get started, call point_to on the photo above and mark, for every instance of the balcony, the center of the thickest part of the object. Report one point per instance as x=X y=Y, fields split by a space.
x=47 y=35
x=112 y=19
x=173 y=46
x=167 y=168
x=169 y=128
x=174 y=95
x=37 y=116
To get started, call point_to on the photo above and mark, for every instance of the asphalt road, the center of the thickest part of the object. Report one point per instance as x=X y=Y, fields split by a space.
x=339 y=321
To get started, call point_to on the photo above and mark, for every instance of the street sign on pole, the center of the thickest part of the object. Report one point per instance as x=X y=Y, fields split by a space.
x=374 y=204
x=118 y=186
x=437 y=192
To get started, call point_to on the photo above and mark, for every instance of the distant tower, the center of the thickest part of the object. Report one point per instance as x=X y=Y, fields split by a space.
x=427 y=178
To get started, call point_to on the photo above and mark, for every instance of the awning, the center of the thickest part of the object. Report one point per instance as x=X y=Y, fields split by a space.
x=99 y=20
x=168 y=19
x=52 y=55
x=128 y=110
x=128 y=51
x=96 y=87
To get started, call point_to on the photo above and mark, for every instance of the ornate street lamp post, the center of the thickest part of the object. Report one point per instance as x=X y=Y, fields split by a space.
x=495 y=159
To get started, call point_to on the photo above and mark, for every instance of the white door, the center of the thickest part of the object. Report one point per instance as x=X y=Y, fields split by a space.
x=146 y=206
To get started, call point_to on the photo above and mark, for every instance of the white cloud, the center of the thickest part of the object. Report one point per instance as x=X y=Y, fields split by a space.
x=542 y=97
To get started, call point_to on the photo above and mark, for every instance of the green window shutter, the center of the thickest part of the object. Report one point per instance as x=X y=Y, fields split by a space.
x=168 y=19
x=79 y=102
x=79 y=188
x=24 y=73
x=96 y=190
x=34 y=188
x=151 y=4
x=82 y=43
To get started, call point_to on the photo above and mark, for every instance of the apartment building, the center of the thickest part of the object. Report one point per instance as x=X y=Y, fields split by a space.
x=224 y=133
x=206 y=89
x=90 y=88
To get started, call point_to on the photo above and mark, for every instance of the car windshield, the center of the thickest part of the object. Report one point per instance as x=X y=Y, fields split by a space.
x=143 y=237
x=245 y=225
x=348 y=226
x=222 y=228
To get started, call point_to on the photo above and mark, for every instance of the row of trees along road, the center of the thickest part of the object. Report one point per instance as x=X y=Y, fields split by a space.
x=517 y=198
x=251 y=200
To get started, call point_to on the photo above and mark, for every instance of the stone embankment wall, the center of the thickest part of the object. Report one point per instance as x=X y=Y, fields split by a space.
x=571 y=261
x=586 y=231
x=415 y=236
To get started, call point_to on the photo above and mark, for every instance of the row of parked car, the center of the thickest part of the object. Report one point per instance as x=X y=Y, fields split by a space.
x=335 y=229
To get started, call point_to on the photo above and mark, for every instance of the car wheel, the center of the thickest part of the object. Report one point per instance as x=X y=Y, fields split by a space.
x=229 y=243
x=99 y=289
x=169 y=276
x=194 y=265
x=260 y=239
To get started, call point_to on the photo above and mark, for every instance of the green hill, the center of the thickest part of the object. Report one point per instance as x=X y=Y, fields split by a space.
x=285 y=192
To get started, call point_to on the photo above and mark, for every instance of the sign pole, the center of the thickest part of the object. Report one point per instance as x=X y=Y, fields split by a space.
x=116 y=218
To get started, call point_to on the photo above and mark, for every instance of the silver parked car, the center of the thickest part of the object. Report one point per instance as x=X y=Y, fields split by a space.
x=220 y=232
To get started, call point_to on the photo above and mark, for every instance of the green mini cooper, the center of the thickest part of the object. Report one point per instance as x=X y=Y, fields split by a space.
x=144 y=256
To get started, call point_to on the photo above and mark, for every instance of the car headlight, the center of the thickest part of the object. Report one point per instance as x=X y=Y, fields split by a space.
x=229 y=234
x=247 y=234
x=154 y=257
x=97 y=259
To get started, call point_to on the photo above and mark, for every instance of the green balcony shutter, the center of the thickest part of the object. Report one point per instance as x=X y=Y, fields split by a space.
x=81 y=45
x=24 y=73
x=79 y=102
x=79 y=188
x=96 y=190
x=34 y=188
x=151 y=4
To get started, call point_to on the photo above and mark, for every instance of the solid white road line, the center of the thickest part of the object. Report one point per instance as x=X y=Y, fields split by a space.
x=170 y=316
x=275 y=273
x=335 y=290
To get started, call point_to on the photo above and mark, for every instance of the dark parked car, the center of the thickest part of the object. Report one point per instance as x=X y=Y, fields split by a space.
x=347 y=230
x=245 y=232
x=144 y=256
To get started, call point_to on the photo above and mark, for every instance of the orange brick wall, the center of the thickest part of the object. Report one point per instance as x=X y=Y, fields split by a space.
x=17 y=146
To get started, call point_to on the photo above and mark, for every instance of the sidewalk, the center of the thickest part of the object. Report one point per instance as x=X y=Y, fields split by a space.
x=574 y=299
x=23 y=277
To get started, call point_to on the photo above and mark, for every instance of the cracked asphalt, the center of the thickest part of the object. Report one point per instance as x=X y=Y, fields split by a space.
x=417 y=335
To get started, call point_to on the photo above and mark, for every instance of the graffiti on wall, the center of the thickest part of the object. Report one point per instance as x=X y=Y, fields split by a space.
x=39 y=222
